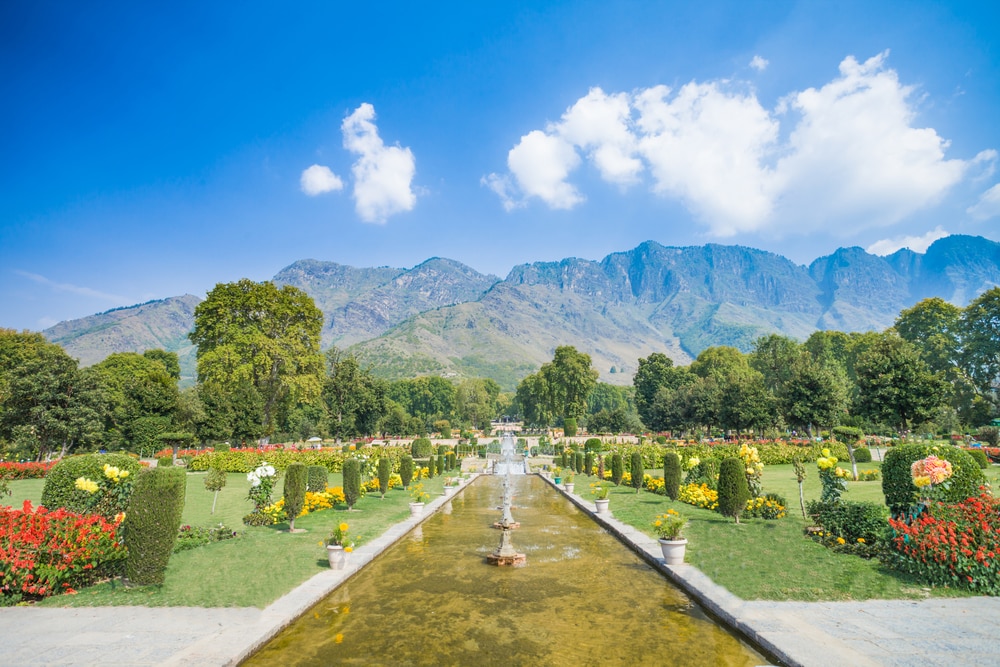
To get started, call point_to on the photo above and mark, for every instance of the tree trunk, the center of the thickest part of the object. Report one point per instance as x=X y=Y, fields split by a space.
x=216 y=497
x=802 y=501
x=854 y=464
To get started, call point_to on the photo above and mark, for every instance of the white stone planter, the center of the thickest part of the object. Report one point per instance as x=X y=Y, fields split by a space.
x=673 y=550
x=602 y=506
x=336 y=556
x=569 y=486
x=416 y=509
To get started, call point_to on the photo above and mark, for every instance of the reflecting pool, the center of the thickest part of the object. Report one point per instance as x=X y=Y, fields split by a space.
x=582 y=599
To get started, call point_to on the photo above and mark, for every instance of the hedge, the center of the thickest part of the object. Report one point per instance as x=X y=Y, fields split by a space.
x=247 y=460
x=151 y=523
x=60 y=484
x=897 y=480
x=317 y=479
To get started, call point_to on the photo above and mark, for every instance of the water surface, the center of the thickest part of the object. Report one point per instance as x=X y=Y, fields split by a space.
x=582 y=599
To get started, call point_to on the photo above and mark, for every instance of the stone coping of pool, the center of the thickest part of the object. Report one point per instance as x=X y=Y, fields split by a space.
x=232 y=645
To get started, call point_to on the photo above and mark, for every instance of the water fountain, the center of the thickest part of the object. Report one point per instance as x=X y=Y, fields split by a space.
x=505 y=554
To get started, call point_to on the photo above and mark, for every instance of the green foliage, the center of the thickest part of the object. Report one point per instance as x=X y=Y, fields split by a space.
x=897 y=478
x=990 y=435
x=296 y=477
x=706 y=472
x=165 y=461
x=420 y=448
x=152 y=520
x=617 y=469
x=317 y=478
x=578 y=461
x=60 y=484
x=636 y=471
x=452 y=460
x=980 y=458
x=588 y=464
x=733 y=489
x=569 y=427
x=895 y=385
x=215 y=480
x=261 y=337
x=862 y=455
x=406 y=470
x=352 y=482
x=384 y=470
x=593 y=445
x=672 y=474
x=851 y=520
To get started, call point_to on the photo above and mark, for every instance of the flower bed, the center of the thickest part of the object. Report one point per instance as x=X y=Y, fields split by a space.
x=956 y=544
x=699 y=495
x=30 y=470
x=45 y=553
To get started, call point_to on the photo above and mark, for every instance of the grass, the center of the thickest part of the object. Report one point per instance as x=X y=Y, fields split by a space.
x=252 y=571
x=773 y=560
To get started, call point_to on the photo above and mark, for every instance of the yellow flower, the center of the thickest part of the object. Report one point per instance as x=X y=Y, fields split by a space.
x=840 y=540
x=84 y=484
x=657 y=523
x=343 y=527
x=861 y=540
x=339 y=637
x=348 y=550
x=921 y=481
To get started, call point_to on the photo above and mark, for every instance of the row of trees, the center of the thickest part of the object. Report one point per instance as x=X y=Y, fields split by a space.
x=938 y=363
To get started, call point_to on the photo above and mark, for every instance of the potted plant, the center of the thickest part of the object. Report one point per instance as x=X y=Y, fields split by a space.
x=557 y=475
x=338 y=546
x=568 y=482
x=450 y=485
x=600 y=491
x=668 y=527
x=419 y=497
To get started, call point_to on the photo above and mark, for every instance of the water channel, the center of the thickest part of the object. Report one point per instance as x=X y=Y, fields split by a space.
x=582 y=599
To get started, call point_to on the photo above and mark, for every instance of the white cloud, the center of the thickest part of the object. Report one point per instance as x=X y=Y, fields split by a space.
x=988 y=205
x=759 y=64
x=844 y=156
x=914 y=243
x=382 y=174
x=73 y=289
x=318 y=179
x=540 y=164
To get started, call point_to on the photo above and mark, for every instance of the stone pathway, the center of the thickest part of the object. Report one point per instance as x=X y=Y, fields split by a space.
x=948 y=632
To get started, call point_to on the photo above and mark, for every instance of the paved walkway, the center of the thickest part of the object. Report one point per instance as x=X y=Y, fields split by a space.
x=880 y=632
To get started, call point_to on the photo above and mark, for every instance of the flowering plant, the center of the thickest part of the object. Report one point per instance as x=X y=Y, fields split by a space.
x=754 y=467
x=831 y=476
x=418 y=494
x=262 y=482
x=599 y=490
x=338 y=538
x=110 y=495
x=668 y=526
x=929 y=474
x=692 y=463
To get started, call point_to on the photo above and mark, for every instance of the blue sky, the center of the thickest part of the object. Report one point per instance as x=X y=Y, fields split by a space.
x=149 y=152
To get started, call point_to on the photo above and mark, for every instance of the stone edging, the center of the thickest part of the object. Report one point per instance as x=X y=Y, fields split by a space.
x=231 y=646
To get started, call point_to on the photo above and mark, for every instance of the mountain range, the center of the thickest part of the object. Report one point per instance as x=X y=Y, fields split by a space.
x=444 y=318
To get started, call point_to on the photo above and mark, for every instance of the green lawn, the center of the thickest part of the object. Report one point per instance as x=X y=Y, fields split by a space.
x=773 y=560
x=252 y=571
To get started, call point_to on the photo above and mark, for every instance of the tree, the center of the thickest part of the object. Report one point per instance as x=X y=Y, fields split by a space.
x=745 y=402
x=637 y=471
x=895 y=385
x=734 y=492
x=169 y=360
x=654 y=373
x=720 y=363
x=532 y=400
x=259 y=336
x=932 y=325
x=814 y=394
x=980 y=358
x=296 y=476
x=428 y=397
x=474 y=402
x=355 y=399
x=47 y=404
x=141 y=399
x=774 y=356
x=570 y=378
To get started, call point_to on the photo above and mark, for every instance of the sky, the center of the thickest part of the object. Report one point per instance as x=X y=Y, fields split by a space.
x=152 y=151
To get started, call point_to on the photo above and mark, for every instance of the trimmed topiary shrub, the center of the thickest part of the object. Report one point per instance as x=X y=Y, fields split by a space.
x=452 y=461
x=862 y=455
x=296 y=476
x=215 y=481
x=733 y=489
x=588 y=464
x=406 y=471
x=578 y=461
x=352 y=482
x=151 y=523
x=592 y=445
x=617 y=469
x=852 y=520
x=60 y=484
x=569 y=427
x=165 y=462
x=384 y=470
x=441 y=469
x=637 y=471
x=317 y=479
x=430 y=467
x=672 y=474
x=979 y=456
x=421 y=448
x=897 y=480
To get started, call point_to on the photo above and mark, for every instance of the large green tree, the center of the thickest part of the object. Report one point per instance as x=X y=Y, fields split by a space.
x=980 y=358
x=655 y=372
x=356 y=401
x=429 y=397
x=260 y=336
x=570 y=377
x=814 y=394
x=47 y=404
x=895 y=385
x=141 y=396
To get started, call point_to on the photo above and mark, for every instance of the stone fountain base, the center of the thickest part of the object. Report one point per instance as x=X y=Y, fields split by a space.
x=501 y=525
x=514 y=560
